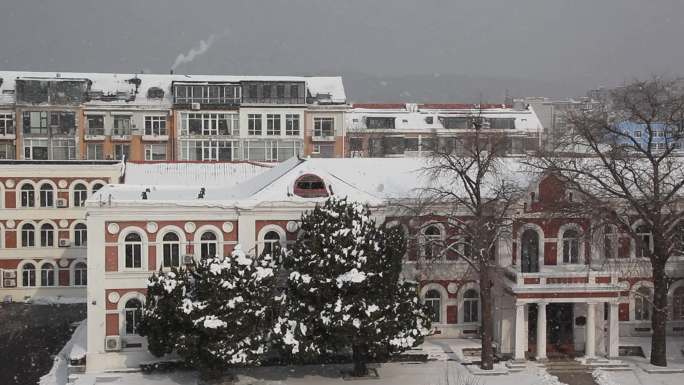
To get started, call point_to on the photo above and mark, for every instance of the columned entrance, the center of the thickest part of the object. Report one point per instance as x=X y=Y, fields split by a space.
x=550 y=324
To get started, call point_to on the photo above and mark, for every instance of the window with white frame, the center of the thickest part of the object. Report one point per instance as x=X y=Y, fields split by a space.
x=80 y=274
x=209 y=150
x=208 y=245
x=36 y=149
x=155 y=125
x=80 y=194
x=254 y=124
x=95 y=125
x=80 y=234
x=273 y=124
x=28 y=235
x=62 y=122
x=47 y=195
x=324 y=127
x=642 y=304
x=28 y=196
x=28 y=275
x=207 y=124
x=122 y=125
x=155 y=151
x=646 y=238
x=47 y=275
x=132 y=315
x=35 y=122
x=610 y=242
x=433 y=300
x=6 y=124
x=292 y=124
x=171 y=250
x=64 y=148
x=432 y=239
x=271 y=242
x=471 y=306
x=271 y=150
x=95 y=151
x=47 y=235
x=571 y=244
x=133 y=251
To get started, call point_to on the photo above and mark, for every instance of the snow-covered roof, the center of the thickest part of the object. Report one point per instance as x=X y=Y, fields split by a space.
x=426 y=117
x=224 y=174
x=370 y=180
x=111 y=83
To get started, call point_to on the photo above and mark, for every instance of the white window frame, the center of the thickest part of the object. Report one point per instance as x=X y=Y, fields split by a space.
x=121 y=243
x=152 y=151
x=292 y=120
x=252 y=121
x=319 y=129
x=157 y=125
x=273 y=125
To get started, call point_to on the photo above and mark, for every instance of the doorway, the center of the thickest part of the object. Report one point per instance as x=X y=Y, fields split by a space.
x=560 y=342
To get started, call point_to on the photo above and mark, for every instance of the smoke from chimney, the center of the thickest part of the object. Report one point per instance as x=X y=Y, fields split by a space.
x=194 y=52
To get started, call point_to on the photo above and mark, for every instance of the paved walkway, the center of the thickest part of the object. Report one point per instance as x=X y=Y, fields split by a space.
x=570 y=372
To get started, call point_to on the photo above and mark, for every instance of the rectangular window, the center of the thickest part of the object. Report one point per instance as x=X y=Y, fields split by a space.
x=63 y=123
x=122 y=126
x=7 y=151
x=254 y=124
x=95 y=151
x=155 y=151
x=294 y=91
x=323 y=127
x=6 y=124
x=379 y=122
x=502 y=123
x=36 y=149
x=637 y=134
x=155 y=125
x=35 y=122
x=121 y=151
x=95 y=125
x=292 y=125
x=209 y=150
x=455 y=123
x=273 y=124
x=64 y=149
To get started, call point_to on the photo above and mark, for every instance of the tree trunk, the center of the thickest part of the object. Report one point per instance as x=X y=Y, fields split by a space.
x=487 y=356
x=359 y=358
x=659 y=317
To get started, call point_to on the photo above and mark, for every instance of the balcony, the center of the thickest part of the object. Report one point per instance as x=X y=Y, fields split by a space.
x=558 y=280
x=95 y=133
x=121 y=134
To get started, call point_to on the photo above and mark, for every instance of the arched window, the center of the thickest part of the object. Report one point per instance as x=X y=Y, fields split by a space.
x=80 y=194
x=610 y=245
x=310 y=186
x=80 y=234
x=678 y=303
x=47 y=235
x=97 y=187
x=434 y=302
x=471 y=306
x=171 y=250
x=133 y=251
x=529 y=251
x=28 y=196
x=570 y=246
x=644 y=234
x=642 y=304
x=132 y=314
x=271 y=242
x=208 y=245
x=47 y=275
x=28 y=235
x=80 y=274
x=47 y=195
x=28 y=275
x=432 y=239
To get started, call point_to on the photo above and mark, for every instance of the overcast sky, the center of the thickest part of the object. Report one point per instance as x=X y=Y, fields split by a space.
x=572 y=44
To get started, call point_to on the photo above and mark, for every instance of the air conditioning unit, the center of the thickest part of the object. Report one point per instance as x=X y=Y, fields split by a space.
x=64 y=243
x=187 y=259
x=112 y=343
x=61 y=202
x=195 y=106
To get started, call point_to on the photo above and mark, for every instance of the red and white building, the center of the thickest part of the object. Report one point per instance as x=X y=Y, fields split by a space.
x=560 y=292
x=43 y=233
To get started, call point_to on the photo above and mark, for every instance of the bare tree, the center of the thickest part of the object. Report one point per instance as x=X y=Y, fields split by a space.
x=471 y=195
x=623 y=160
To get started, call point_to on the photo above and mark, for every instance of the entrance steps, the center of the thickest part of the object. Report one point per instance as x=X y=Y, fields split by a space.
x=515 y=366
x=566 y=366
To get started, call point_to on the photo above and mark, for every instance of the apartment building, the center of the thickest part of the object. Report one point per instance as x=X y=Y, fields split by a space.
x=151 y=117
x=43 y=235
x=410 y=130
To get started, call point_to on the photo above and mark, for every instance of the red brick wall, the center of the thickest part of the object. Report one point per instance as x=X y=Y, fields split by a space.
x=623 y=311
x=452 y=314
x=112 y=321
x=111 y=258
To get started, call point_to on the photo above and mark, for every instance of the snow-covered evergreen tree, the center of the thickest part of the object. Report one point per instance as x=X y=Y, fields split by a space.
x=215 y=314
x=344 y=291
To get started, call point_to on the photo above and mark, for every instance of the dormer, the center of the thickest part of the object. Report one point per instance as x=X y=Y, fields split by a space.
x=310 y=186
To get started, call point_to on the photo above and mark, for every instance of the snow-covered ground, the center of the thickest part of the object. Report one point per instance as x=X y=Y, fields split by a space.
x=74 y=349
